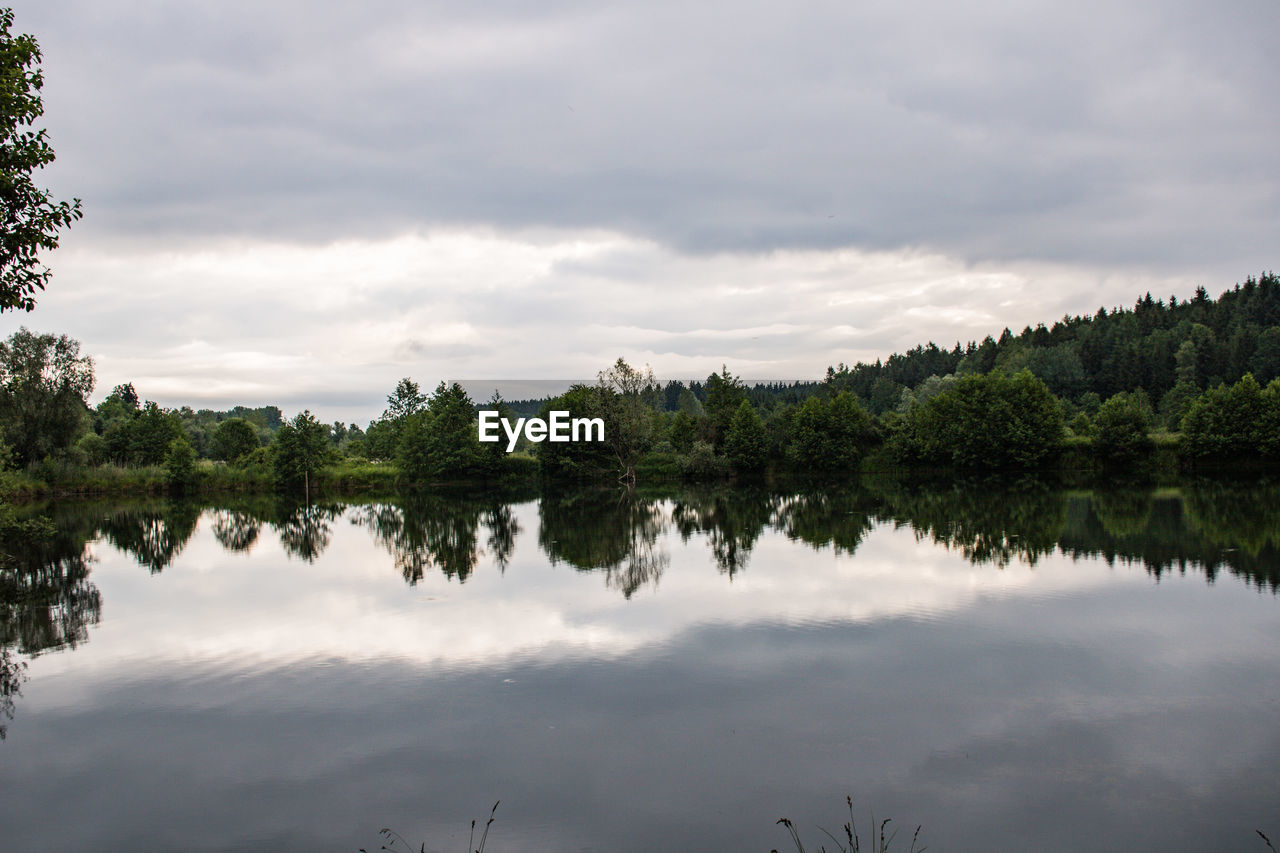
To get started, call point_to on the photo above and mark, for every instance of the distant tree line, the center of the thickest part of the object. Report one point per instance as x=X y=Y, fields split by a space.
x=1202 y=375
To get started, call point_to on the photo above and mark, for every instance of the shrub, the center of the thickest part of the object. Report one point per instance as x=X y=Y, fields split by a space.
x=180 y=464
x=1233 y=422
x=94 y=448
x=829 y=436
x=1120 y=428
x=702 y=463
x=984 y=421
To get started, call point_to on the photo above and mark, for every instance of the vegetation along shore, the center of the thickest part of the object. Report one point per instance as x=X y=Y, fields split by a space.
x=1192 y=384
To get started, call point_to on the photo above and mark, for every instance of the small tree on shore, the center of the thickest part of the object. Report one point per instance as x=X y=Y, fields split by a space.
x=302 y=449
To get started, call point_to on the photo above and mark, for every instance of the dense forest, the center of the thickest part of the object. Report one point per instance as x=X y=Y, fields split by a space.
x=1200 y=377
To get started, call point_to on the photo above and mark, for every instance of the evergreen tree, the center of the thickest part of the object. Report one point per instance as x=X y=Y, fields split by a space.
x=745 y=445
x=443 y=441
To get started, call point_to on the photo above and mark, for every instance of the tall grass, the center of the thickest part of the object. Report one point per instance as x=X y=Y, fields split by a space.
x=393 y=838
x=881 y=839
x=852 y=843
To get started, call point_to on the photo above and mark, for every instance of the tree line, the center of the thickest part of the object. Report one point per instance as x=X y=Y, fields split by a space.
x=1211 y=389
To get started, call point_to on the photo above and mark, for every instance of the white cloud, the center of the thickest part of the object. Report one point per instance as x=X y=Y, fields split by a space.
x=302 y=206
x=332 y=328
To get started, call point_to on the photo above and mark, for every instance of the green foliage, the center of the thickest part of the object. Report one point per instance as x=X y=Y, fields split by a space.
x=926 y=391
x=628 y=400
x=725 y=393
x=121 y=404
x=1081 y=425
x=1265 y=361
x=262 y=459
x=746 y=444
x=180 y=464
x=1059 y=368
x=415 y=452
x=579 y=460
x=1120 y=429
x=135 y=434
x=1241 y=421
x=150 y=433
x=682 y=431
x=1175 y=404
x=1085 y=359
x=442 y=442
x=702 y=463
x=301 y=449
x=43 y=384
x=885 y=395
x=30 y=217
x=984 y=421
x=829 y=436
x=405 y=401
x=234 y=438
x=384 y=438
x=94 y=448
x=807 y=441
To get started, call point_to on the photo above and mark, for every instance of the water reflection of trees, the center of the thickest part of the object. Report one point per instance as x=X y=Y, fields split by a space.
x=987 y=522
x=305 y=530
x=616 y=532
x=236 y=529
x=503 y=529
x=732 y=521
x=430 y=530
x=46 y=598
x=838 y=518
x=12 y=674
x=1209 y=526
x=152 y=533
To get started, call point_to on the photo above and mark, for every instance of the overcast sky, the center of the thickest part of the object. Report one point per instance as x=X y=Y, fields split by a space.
x=300 y=203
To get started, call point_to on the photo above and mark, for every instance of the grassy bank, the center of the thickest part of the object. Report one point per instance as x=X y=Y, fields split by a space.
x=350 y=476
x=54 y=480
x=1078 y=459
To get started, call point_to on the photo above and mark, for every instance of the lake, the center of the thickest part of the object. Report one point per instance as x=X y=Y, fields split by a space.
x=1012 y=666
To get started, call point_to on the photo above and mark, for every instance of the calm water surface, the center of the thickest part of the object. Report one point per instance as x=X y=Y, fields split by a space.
x=1014 y=668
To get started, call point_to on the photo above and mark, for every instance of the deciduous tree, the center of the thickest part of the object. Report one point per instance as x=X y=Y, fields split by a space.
x=29 y=217
x=302 y=449
x=43 y=384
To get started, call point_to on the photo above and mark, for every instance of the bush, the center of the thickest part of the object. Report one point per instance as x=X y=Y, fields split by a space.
x=180 y=464
x=94 y=448
x=989 y=420
x=1235 y=422
x=234 y=438
x=829 y=436
x=1081 y=425
x=1120 y=429
x=702 y=463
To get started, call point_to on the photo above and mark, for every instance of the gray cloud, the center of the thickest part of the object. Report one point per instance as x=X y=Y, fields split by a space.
x=1139 y=136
